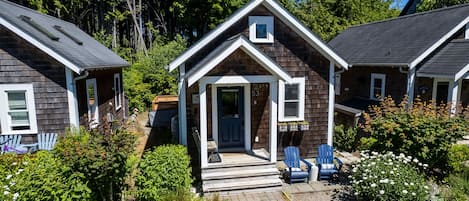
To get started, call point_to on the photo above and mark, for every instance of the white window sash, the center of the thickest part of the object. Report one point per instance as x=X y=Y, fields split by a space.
x=117 y=91
x=374 y=77
x=301 y=100
x=5 y=112
x=268 y=21
x=94 y=121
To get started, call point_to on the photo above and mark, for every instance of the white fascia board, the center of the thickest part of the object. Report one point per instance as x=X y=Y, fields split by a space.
x=247 y=47
x=281 y=13
x=304 y=32
x=461 y=73
x=430 y=75
x=213 y=34
x=41 y=46
x=438 y=43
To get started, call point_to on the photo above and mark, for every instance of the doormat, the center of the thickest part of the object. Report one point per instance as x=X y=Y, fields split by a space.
x=214 y=158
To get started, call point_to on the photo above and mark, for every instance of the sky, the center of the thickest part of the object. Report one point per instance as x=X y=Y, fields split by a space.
x=399 y=3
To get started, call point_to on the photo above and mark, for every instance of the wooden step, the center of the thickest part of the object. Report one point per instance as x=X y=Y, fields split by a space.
x=238 y=167
x=240 y=173
x=233 y=185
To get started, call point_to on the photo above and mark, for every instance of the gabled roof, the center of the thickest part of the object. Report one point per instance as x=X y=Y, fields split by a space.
x=225 y=50
x=279 y=12
x=405 y=40
x=449 y=62
x=62 y=40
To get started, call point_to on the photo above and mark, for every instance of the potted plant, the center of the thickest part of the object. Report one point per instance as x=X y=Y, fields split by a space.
x=293 y=126
x=304 y=126
x=282 y=127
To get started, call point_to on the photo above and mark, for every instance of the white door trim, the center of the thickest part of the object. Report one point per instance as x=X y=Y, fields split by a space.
x=93 y=82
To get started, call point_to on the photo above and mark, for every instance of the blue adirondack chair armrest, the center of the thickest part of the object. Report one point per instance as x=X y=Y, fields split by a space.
x=339 y=162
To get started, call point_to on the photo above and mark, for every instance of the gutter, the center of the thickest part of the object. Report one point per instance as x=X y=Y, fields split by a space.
x=380 y=64
x=81 y=76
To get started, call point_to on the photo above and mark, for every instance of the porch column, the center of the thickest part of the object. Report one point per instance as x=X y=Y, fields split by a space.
x=182 y=117
x=203 y=124
x=410 y=85
x=273 y=120
x=330 y=116
x=453 y=95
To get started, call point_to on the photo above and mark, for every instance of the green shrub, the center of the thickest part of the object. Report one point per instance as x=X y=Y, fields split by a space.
x=101 y=157
x=163 y=173
x=366 y=143
x=41 y=177
x=421 y=130
x=459 y=185
x=345 y=139
x=458 y=154
x=388 y=177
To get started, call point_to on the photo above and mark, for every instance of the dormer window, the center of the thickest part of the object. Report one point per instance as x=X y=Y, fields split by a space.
x=261 y=29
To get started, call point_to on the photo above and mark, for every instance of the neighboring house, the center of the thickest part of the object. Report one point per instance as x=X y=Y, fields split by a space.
x=257 y=69
x=53 y=75
x=424 y=54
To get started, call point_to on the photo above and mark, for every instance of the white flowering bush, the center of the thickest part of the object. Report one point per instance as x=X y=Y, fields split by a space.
x=389 y=177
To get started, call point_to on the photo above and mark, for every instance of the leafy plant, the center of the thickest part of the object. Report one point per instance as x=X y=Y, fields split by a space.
x=421 y=129
x=345 y=139
x=388 y=177
x=101 y=157
x=458 y=155
x=459 y=186
x=164 y=172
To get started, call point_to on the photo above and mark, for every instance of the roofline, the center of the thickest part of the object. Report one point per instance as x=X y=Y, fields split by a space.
x=75 y=68
x=432 y=75
x=201 y=69
x=438 y=43
x=283 y=15
x=379 y=64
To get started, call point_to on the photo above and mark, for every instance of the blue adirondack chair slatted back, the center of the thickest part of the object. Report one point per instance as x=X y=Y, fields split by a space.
x=14 y=142
x=292 y=157
x=46 y=141
x=325 y=154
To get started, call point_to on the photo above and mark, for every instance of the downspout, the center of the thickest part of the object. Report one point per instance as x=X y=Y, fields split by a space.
x=81 y=77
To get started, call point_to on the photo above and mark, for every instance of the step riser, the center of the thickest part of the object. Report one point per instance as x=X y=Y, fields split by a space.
x=210 y=182
x=237 y=192
x=241 y=189
x=226 y=169
x=225 y=177
x=234 y=165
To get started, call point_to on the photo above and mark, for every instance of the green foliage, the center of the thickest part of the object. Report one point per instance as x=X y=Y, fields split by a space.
x=40 y=177
x=427 y=5
x=388 y=177
x=164 y=173
x=422 y=130
x=100 y=157
x=459 y=186
x=345 y=139
x=147 y=77
x=366 y=143
x=458 y=155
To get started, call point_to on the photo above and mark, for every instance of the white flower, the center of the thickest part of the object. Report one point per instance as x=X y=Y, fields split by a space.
x=420 y=164
x=365 y=178
x=373 y=163
x=406 y=184
x=15 y=196
x=14 y=163
x=392 y=183
x=404 y=191
x=374 y=153
x=25 y=163
x=425 y=165
x=381 y=192
x=392 y=172
x=9 y=176
x=413 y=194
x=373 y=185
x=426 y=187
x=350 y=176
x=356 y=193
x=384 y=181
x=12 y=183
x=6 y=192
x=382 y=172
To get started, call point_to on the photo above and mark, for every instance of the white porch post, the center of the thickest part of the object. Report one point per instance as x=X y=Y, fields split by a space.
x=453 y=95
x=182 y=106
x=273 y=120
x=411 y=85
x=203 y=124
x=330 y=112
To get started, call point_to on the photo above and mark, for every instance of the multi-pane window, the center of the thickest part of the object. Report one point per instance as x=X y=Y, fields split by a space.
x=261 y=29
x=377 y=86
x=292 y=100
x=17 y=110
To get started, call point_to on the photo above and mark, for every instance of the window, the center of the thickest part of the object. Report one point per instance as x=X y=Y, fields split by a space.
x=117 y=91
x=261 y=29
x=377 y=87
x=92 y=97
x=292 y=100
x=337 y=78
x=18 y=112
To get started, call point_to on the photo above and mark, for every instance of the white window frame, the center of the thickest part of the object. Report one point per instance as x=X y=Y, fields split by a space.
x=95 y=123
x=337 y=78
x=375 y=76
x=268 y=21
x=30 y=107
x=301 y=107
x=117 y=91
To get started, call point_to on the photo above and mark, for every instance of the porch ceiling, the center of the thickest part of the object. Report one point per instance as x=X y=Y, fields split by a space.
x=225 y=50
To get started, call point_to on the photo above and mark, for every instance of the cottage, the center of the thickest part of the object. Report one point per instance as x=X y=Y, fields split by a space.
x=259 y=69
x=423 y=54
x=53 y=75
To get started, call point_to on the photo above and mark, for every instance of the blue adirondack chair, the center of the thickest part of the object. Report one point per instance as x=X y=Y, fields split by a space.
x=325 y=162
x=13 y=142
x=46 y=141
x=292 y=160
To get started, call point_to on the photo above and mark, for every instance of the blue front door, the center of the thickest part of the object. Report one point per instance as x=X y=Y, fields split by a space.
x=230 y=117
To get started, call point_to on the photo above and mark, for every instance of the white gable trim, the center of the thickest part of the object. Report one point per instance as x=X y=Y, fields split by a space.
x=203 y=68
x=41 y=46
x=438 y=43
x=281 y=13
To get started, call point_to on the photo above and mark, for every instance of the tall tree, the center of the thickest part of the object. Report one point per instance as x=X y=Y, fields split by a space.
x=426 y=5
